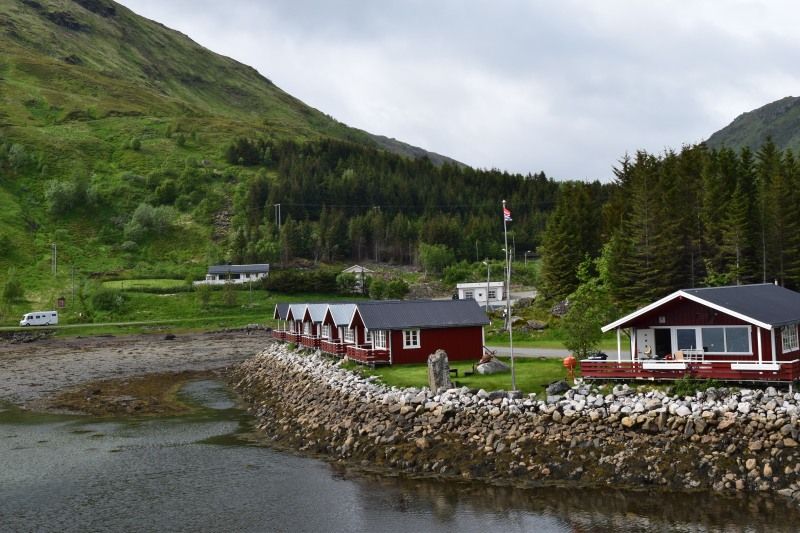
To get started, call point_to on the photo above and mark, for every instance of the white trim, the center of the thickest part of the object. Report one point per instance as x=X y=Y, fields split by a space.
x=755 y=366
x=674 y=295
x=663 y=365
x=793 y=347
x=774 y=355
x=619 y=345
x=760 y=349
x=406 y=345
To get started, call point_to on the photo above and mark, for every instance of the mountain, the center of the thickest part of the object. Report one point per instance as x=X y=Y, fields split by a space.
x=779 y=120
x=102 y=110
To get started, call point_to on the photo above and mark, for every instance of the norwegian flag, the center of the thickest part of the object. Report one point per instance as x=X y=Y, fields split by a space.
x=506 y=214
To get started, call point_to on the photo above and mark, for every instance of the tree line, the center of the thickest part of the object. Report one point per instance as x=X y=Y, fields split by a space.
x=689 y=218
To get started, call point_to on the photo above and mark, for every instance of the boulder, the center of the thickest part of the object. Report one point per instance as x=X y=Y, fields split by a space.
x=494 y=366
x=557 y=387
x=439 y=371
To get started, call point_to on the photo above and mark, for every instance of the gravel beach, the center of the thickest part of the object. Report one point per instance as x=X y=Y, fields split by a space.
x=33 y=371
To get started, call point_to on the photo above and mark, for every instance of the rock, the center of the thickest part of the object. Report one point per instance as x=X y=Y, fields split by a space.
x=169 y=337
x=495 y=366
x=422 y=443
x=557 y=387
x=743 y=407
x=789 y=442
x=628 y=422
x=439 y=371
x=767 y=470
x=535 y=325
x=750 y=464
x=683 y=411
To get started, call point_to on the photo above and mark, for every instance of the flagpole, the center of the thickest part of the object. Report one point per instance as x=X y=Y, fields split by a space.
x=508 y=299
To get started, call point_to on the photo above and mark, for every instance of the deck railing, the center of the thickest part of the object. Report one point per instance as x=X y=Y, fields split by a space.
x=366 y=354
x=785 y=371
x=333 y=347
x=279 y=334
x=309 y=341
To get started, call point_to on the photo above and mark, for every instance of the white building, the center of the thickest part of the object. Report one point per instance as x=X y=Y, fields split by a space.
x=478 y=291
x=220 y=274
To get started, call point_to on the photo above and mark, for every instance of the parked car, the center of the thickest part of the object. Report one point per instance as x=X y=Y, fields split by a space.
x=39 y=318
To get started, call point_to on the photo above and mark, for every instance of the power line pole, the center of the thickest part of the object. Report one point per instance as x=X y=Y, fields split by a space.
x=54 y=259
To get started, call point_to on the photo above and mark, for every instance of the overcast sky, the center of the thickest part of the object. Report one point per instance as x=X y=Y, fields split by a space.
x=565 y=87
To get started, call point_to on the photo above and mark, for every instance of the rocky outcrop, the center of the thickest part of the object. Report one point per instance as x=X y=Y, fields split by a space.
x=725 y=440
x=439 y=371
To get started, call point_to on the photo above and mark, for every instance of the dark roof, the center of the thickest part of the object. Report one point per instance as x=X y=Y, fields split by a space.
x=238 y=269
x=767 y=303
x=281 y=310
x=421 y=314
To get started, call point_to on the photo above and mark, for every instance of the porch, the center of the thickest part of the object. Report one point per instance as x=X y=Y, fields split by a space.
x=334 y=347
x=365 y=353
x=309 y=341
x=656 y=370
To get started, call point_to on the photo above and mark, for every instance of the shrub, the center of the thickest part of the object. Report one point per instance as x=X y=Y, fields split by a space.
x=346 y=283
x=203 y=296
x=396 y=289
x=148 y=220
x=12 y=289
x=435 y=257
x=377 y=289
x=293 y=281
x=110 y=300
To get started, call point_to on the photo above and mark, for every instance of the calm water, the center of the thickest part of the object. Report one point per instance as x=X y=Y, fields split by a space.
x=198 y=474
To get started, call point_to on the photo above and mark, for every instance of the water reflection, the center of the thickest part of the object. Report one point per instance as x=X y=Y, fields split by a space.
x=78 y=474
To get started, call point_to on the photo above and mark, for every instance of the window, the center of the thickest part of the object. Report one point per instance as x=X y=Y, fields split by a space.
x=307 y=328
x=492 y=294
x=789 y=338
x=719 y=339
x=326 y=331
x=713 y=339
x=468 y=295
x=687 y=338
x=737 y=340
x=379 y=339
x=349 y=336
x=410 y=338
x=368 y=338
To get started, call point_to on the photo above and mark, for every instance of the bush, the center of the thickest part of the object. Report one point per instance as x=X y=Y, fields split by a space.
x=435 y=257
x=148 y=220
x=12 y=289
x=396 y=289
x=688 y=386
x=377 y=289
x=110 y=300
x=293 y=281
x=346 y=283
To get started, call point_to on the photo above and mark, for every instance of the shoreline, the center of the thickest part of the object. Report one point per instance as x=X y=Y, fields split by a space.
x=722 y=442
x=33 y=375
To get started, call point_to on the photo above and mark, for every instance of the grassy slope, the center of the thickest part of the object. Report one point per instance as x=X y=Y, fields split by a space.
x=74 y=98
x=779 y=120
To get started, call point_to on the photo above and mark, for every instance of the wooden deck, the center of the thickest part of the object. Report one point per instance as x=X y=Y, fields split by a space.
x=335 y=347
x=278 y=334
x=309 y=341
x=671 y=370
x=367 y=355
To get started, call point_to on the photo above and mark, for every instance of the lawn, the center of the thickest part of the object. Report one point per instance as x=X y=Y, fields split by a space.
x=162 y=283
x=533 y=375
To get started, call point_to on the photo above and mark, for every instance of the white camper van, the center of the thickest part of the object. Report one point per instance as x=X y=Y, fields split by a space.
x=39 y=318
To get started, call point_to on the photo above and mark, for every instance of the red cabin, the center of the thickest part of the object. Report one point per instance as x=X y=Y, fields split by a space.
x=739 y=333
x=388 y=332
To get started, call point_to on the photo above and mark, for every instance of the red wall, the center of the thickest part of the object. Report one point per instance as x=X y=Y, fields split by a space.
x=684 y=312
x=461 y=344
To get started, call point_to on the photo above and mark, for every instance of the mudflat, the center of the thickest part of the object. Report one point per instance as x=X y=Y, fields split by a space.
x=33 y=373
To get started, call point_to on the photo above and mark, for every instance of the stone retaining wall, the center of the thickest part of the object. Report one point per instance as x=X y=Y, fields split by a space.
x=723 y=440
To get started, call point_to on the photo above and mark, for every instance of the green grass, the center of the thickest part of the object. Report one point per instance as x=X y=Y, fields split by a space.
x=144 y=283
x=532 y=375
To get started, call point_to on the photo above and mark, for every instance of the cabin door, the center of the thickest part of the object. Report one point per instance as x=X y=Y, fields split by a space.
x=663 y=339
x=645 y=343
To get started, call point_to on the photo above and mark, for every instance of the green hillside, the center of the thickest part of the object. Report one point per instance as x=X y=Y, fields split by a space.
x=138 y=153
x=779 y=120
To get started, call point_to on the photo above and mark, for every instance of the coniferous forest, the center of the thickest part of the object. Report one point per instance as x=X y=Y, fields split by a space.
x=688 y=218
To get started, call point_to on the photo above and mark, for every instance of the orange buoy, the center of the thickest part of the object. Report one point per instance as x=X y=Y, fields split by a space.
x=570 y=362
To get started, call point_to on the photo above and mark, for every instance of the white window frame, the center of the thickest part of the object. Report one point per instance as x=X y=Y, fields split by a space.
x=469 y=295
x=349 y=336
x=326 y=331
x=367 y=337
x=411 y=338
x=699 y=338
x=306 y=328
x=789 y=339
x=379 y=338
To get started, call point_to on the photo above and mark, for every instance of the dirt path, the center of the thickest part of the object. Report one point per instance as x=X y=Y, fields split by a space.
x=30 y=372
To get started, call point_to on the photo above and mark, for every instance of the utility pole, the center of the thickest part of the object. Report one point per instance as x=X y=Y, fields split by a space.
x=54 y=259
x=277 y=216
x=73 y=285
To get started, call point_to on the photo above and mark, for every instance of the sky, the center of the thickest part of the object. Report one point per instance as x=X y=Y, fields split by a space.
x=565 y=87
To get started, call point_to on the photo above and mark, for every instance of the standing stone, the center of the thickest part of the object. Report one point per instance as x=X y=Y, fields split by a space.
x=439 y=371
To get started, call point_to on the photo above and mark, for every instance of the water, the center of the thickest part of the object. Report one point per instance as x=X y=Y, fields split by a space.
x=201 y=473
